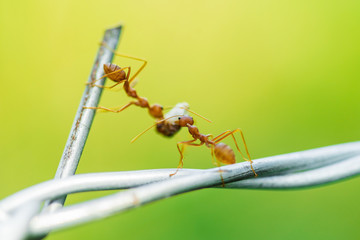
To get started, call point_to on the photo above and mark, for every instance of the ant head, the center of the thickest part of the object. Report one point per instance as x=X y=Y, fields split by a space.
x=184 y=120
x=156 y=111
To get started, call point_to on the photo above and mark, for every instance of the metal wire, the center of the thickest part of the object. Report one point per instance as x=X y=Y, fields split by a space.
x=16 y=226
x=317 y=166
x=343 y=159
x=83 y=119
x=119 y=202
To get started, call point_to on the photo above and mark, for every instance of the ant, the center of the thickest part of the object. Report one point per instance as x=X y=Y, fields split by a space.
x=223 y=153
x=118 y=75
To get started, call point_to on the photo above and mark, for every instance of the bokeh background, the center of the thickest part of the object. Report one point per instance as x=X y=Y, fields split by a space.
x=286 y=72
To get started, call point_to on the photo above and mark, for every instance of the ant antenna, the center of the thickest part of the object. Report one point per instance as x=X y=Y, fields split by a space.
x=139 y=135
x=187 y=109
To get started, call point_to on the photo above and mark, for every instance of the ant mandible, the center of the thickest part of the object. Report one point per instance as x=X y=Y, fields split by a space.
x=223 y=153
x=118 y=75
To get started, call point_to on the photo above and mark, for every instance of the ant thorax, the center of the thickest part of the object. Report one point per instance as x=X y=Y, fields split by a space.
x=170 y=127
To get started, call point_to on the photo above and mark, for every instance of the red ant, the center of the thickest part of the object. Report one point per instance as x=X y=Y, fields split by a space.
x=223 y=153
x=118 y=75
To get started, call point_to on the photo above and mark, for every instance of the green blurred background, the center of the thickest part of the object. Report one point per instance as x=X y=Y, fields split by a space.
x=286 y=72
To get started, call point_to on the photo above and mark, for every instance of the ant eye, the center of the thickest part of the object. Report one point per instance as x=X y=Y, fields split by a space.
x=179 y=118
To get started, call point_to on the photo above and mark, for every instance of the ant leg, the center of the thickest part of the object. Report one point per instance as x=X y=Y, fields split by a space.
x=106 y=75
x=127 y=77
x=220 y=135
x=228 y=133
x=127 y=56
x=213 y=158
x=132 y=85
x=99 y=86
x=111 y=110
x=92 y=83
x=216 y=163
x=181 y=151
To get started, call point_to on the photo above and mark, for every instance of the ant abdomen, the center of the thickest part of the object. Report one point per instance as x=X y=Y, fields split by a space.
x=117 y=76
x=224 y=153
x=167 y=129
